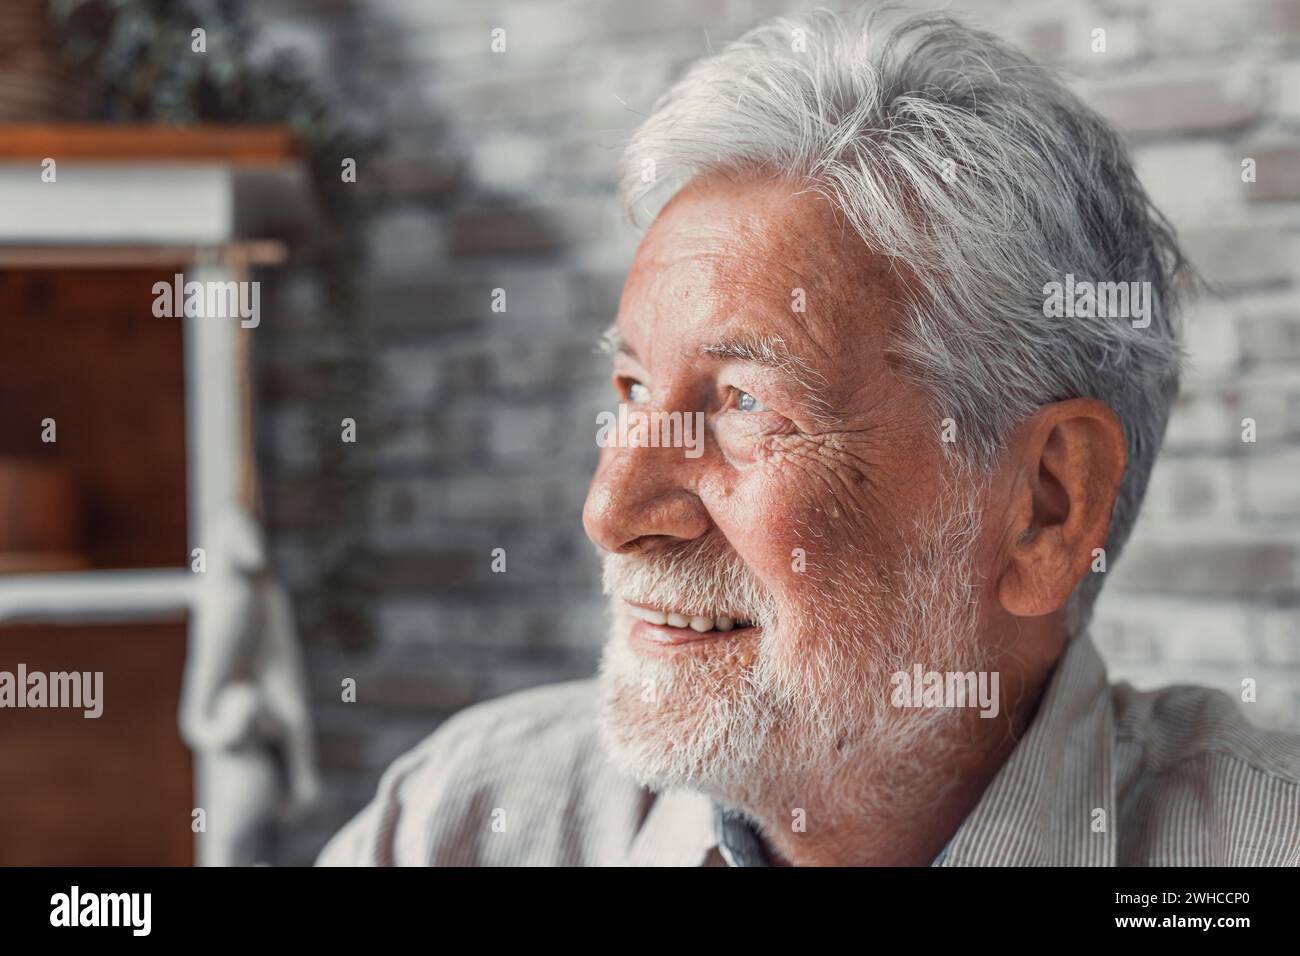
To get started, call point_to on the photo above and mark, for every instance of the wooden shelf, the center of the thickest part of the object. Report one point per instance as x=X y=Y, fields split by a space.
x=97 y=595
x=141 y=142
x=117 y=790
x=258 y=252
x=145 y=185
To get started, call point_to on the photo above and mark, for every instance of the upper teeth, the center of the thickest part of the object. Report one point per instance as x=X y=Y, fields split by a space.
x=696 y=622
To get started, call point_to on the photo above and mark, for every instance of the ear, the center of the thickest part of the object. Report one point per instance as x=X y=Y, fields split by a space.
x=1064 y=467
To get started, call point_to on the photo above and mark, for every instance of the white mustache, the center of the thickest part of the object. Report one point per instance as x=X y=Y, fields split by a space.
x=701 y=577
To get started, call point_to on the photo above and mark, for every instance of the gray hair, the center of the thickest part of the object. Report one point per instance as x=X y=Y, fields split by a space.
x=950 y=151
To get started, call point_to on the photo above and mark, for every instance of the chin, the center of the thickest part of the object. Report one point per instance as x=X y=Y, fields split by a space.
x=764 y=730
x=684 y=721
x=721 y=723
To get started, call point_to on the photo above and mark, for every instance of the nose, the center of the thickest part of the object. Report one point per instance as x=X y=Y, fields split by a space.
x=639 y=501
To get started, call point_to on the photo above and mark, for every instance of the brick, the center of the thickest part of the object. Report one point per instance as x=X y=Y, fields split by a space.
x=294 y=502
x=532 y=229
x=1274 y=634
x=1044 y=39
x=1124 y=38
x=1271 y=485
x=504 y=96
x=404 y=443
x=1211 y=342
x=421 y=179
x=295 y=562
x=1191 y=181
x=514 y=679
x=597 y=294
x=1211 y=422
x=407 y=678
x=634 y=80
x=424 y=305
x=403 y=242
x=590 y=154
x=341 y=751
x=1237 y=256
x=1274 y=408
x=1197 y=487
x=1277 y=171
x=541 y=27
x=1206 y=102
x=414 y=692
x=527 y=363
x=293 y=381
x=523 y=433
x=1203 y=422
x=1271 y=336
x=1200 y=28
x=298 y=300
x=1211 y=419
x=1287 y=13
x=409 y=375
x=503 y=624
x=422 y=570
x=535 y=299
x=1254 y=568
x=424 y=15
x=508 y=161
x=506 y=230
x=1116 y=639
x=1277 y=706
x=1286 y=85
x=1156 y=630
x=619 y=19
x=408 y=512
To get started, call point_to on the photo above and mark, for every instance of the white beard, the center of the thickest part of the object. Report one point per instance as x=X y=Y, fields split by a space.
x=815 y=701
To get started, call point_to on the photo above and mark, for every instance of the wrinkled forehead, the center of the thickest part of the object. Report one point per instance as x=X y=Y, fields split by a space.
x=763 y=254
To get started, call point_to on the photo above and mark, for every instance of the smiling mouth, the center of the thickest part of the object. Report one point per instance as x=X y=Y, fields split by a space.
x=676 y=626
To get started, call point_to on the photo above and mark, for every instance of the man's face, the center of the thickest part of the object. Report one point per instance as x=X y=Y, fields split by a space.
x=821 y=512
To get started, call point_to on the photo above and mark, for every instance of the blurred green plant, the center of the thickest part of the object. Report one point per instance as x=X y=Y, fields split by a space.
x=136 y=58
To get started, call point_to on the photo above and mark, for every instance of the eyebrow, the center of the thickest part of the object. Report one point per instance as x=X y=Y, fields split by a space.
x=767 y=351
x=771 y=351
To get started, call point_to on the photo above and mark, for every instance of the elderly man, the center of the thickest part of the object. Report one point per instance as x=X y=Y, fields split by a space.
x=924 y=310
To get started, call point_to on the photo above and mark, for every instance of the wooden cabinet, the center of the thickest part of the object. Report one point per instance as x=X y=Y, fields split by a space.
x=112 y=790
x=124 y=447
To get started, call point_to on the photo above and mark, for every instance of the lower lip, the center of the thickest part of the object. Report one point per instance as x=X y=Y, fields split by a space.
x=661 y=635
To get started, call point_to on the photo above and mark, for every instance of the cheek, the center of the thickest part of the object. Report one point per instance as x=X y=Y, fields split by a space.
x=793 y=534
x=755 y=522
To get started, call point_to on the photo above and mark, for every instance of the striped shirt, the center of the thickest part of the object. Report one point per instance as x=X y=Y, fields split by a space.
x=1105 y=776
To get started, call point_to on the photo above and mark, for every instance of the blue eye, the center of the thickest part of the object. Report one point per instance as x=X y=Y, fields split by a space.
x=638 y=393
x=748 y=403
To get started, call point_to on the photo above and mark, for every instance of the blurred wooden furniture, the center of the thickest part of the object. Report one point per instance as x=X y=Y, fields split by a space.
x=153 y=419
x=40 y=516
x=116 y=790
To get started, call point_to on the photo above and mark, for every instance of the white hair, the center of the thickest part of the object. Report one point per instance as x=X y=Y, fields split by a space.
x=984 y=178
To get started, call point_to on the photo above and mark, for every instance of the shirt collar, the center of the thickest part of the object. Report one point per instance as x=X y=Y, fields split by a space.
x=739 y=845
x=1049 y=804
x=1053 y=801
x=677 y=831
